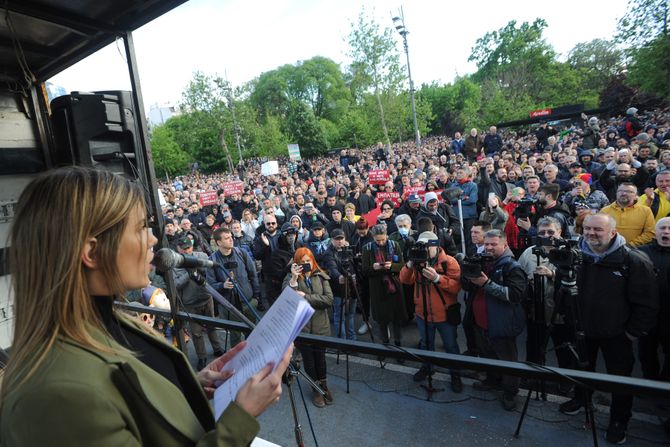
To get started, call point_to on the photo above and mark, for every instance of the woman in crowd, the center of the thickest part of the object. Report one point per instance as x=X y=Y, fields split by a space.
x=312 y=283
x=249 y=222
x=86 y=374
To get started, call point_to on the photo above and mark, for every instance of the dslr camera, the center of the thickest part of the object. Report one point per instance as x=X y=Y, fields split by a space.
x=525 y=209
x=346 y=258
x=473 y=266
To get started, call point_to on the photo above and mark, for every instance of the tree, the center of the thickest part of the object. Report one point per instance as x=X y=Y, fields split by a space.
x=169 y=158
x=598 y=62
x=375 y=62
x=645 y=30
x=513 y=57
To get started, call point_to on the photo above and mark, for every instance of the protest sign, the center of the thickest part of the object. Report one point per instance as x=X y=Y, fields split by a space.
x=230 y=188
x=378 y=177
x=294 y=152
x=392 y=196
x=270 y=168
x=208 y=198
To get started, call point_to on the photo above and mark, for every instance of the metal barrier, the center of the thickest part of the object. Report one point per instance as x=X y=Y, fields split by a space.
x=598 y=381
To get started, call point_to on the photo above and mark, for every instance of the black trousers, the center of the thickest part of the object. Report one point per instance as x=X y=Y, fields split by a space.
x=469 y=327
x=313 y=361
x=499 y=348
x=649 y=359
x=618 y=354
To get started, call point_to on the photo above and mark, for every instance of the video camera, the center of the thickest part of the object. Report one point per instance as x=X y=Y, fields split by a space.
x=347 y=260
x=563 y=253
x=473 y=266
x=418 y=252
x=230 y=265
x=525 y=208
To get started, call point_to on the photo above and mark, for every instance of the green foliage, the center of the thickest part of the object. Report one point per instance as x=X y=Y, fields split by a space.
x=644 y=22
x=302 y=127
x=650 y=67
x=645 y=31
x=169 y=158
x=598 y=62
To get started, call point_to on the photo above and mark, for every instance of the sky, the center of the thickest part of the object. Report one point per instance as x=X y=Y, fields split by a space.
x=240 y=39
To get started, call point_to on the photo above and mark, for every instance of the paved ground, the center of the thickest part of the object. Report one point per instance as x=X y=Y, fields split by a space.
x=386 y=407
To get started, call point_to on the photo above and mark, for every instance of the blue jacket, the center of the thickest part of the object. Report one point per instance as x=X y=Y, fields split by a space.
x=504 y=294
x=468 y=200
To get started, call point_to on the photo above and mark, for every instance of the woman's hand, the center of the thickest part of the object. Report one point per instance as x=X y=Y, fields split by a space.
x=263 y=388
x=296 y=270
x=211 y=375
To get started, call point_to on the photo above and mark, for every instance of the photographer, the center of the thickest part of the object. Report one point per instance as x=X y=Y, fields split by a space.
x=339 y=263
x=241 y=268
x=311 y=282
x=618 y=297
x=405 y=237
x=497 y=293
x=436 y=278
x=360 y=240
x=190 y=284
x=382 y=261
x=547 y=199
x=548 y=231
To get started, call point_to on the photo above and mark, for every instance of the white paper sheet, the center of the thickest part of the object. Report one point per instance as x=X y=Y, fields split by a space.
x=267 y=343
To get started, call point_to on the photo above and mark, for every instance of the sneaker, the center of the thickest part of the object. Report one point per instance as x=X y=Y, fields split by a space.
x=202 y=363
x=508 y=402
x=572 y=406
x=422 y=374
x=485 y=385
x=363 y=329
x=218 y=354
x=616 y=433
x=456 y=383
x=261 y=306
x=317 y=399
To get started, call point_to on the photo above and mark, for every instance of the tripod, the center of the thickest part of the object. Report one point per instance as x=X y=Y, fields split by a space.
x=349 y=281
x=567 y=298
x=424 y=285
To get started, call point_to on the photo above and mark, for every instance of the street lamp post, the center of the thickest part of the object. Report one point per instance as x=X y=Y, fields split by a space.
x=399 y=22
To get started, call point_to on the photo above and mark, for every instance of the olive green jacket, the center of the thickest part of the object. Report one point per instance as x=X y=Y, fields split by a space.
x=83 y=397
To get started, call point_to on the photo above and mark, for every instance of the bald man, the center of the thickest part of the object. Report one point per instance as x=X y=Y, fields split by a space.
x=618 y=298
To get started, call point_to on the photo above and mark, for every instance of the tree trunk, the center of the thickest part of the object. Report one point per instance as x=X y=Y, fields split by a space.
x=381 y=115
x=229 y=159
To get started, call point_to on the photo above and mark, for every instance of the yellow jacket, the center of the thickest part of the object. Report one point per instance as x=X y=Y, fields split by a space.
x=635 y=223
x=660 y=206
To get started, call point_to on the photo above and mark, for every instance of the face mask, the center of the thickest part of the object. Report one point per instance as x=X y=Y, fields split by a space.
x=403 y=231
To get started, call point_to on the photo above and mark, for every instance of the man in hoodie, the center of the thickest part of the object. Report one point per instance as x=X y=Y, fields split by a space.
x=618 y=298
x=588 y=165
x=498 y=314
x=591 y=133
x=443 y=216
x=337 y=222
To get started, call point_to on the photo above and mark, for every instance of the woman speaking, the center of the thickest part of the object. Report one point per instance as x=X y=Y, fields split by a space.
x=80 y=373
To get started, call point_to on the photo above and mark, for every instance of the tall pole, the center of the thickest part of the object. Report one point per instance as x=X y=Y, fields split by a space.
x=399 y=22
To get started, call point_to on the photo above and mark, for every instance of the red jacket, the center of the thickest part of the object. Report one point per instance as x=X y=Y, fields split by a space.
x=449 y=285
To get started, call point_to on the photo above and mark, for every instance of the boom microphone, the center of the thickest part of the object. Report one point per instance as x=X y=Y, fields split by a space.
x=166 y=259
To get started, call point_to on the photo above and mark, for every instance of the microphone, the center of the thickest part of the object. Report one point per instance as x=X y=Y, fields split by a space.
x=166 y=259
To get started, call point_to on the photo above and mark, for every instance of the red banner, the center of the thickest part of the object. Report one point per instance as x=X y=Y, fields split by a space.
x=542 y=112
x=392 y=196
x=408 y=190
x=378 y=177
x=208 y=198
x=230 y=188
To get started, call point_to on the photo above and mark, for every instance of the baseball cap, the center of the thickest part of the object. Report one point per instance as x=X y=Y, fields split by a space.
x=185 y=243
x=336 y=234
x=414 y=198
x=427 y=236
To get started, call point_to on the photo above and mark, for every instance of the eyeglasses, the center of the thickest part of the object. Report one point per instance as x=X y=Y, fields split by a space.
x=387 y=209
x=270 y=223
x=546 y=232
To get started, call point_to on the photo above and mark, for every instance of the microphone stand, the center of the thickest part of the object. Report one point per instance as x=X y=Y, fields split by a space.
x=291 y=371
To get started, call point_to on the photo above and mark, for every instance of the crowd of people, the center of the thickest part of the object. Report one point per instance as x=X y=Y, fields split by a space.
x=468 y=231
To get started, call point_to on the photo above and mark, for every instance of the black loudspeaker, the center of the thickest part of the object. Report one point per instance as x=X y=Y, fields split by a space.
x=97 y=129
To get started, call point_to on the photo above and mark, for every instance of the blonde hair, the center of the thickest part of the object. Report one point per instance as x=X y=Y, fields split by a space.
x=54 y=217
